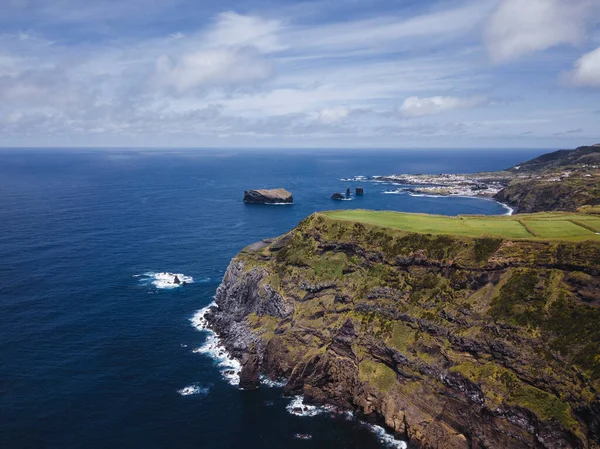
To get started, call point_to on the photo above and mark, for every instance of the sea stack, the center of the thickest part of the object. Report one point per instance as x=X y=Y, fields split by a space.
x=263 y=196
x=337 y=196
x=348 y=192
x=360 y=191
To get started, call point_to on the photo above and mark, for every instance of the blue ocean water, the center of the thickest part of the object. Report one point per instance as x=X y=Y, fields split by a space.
x=92 y=355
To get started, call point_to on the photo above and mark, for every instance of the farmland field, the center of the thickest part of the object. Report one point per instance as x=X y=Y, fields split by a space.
x=545 y=226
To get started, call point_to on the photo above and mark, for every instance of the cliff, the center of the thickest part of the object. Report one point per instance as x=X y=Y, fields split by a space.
x=449 y=341
x=564 y=180
x=538 y=195
x=561 y=159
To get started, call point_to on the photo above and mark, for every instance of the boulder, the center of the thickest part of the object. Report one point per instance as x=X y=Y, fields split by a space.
x=263 y=196
x=337 y=196
x=360 y=191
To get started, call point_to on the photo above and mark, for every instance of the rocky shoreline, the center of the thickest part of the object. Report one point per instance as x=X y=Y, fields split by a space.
x=564 y=181
x=449 y=184
x=449 y=377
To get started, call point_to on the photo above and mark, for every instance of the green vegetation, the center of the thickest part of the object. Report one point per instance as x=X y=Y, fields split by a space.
x=485 y=247
x=535 y=298
x=501 y=385
x=546 y=226
x=557 y=229
x=377 y=374
x=428 y=295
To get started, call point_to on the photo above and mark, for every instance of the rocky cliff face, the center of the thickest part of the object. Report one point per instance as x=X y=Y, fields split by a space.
x=450 y=342
x=564 y=180
x=533 y=195
x=263 y=196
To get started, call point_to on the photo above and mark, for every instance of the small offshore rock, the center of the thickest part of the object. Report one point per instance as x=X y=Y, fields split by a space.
x=264 y=196
x=337 y=196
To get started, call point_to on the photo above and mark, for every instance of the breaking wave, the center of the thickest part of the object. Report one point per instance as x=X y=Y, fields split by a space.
x=166 y=280
x=193 y=389
x=229 y=367
x=299 y=408
x=386 y=438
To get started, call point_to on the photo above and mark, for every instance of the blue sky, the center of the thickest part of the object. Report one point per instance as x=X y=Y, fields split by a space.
x=277 y=73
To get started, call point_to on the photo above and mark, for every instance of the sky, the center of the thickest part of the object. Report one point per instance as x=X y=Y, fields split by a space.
x=281 y=73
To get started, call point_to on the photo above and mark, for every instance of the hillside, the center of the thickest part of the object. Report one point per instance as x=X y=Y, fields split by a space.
x=561 y=159
x=451 y=340
x=564 y=180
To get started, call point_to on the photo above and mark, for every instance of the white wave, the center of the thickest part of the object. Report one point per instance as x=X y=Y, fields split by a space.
x=165 y=280
x=357 y=178
x=303 y=436
x=423 y=195
x=299 y=408
x=230 y=368
x=509 y=210
x=386 y=438
x=264 y=380
x=193 y=389
x=278 y=204
x=395 y=192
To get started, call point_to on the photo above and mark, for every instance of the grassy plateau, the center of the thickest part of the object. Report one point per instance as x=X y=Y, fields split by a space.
x=544 y=226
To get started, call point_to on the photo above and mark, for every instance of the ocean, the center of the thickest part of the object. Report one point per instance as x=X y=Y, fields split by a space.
x=95 y=352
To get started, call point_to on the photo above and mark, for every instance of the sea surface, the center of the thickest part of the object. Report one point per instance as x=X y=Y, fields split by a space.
x=97 y=352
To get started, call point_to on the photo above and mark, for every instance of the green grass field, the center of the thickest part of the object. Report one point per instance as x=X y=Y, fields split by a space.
x=545 y=226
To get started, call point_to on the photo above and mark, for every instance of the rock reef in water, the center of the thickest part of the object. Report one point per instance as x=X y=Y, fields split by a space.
x=453 y=342
x=360 y=191
x=337 y=196
x=264 y=196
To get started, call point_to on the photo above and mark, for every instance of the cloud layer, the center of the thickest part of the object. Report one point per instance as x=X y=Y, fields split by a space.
x=307 y=74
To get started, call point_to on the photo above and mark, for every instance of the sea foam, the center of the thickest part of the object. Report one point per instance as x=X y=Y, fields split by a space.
x=193 y=389
x=229 y=367
x=165 y=280
x=387 y=439
x=299 y=408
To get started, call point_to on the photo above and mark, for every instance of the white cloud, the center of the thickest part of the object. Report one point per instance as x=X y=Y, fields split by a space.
x=269 y=75
x=212 y=66
x=587 y=70
x=419 y=107
x=382 y=34
x=333 y=115
x=519 y=27
x=236 y=30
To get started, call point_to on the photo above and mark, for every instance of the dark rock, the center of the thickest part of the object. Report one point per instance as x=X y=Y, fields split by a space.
x=250 y=374
x=337 y=196
x=360 y=191
x=263 y=196
x=176 y=280
x=348 y=192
